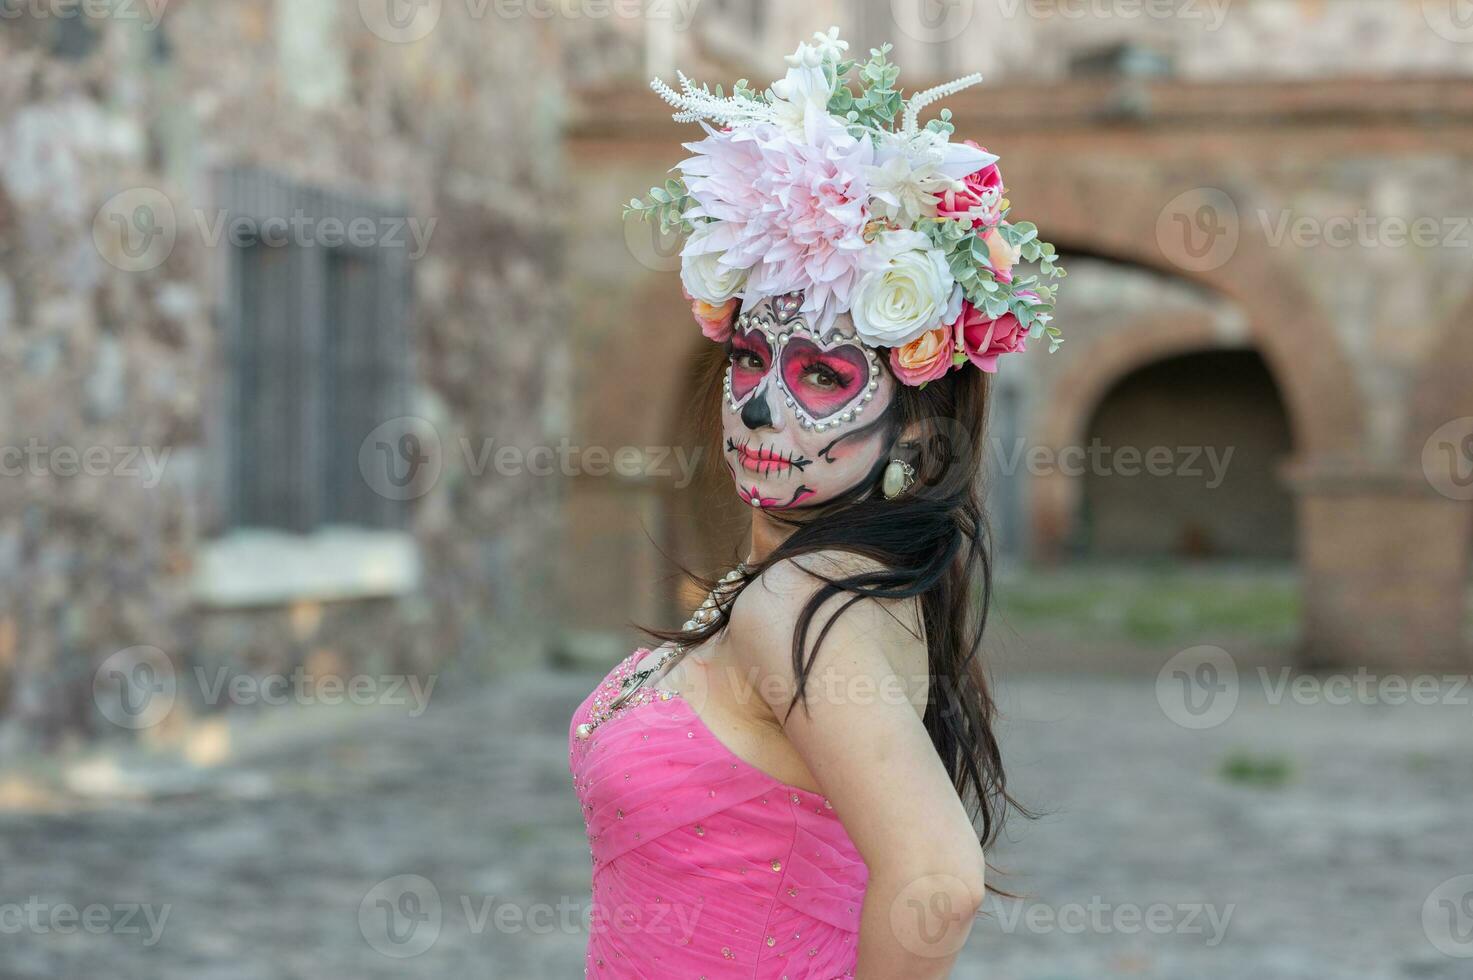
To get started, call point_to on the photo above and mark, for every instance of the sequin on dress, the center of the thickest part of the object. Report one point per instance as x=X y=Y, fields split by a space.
x=704 y=865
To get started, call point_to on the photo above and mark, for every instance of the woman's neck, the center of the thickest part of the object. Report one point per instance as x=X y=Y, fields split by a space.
x=767 y=534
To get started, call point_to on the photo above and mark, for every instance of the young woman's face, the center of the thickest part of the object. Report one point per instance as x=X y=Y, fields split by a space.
x=797 y=410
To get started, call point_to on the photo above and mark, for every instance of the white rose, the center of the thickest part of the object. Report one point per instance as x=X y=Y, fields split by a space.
x=708 y=279
x=905 y=293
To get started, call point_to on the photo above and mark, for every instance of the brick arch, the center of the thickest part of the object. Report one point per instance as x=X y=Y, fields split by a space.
x=1302 y=350
x=633 y=378
x=1442 y=391
x=705 y=524
x=627 y=379
x=1076 y=392
x=636 y=388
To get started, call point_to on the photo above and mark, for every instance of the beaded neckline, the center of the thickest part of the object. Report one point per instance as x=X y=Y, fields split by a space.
x=601 y=710
x=717 y=602
x=610 y=700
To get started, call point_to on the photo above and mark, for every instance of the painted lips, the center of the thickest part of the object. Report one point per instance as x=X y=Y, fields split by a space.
x=765 y=460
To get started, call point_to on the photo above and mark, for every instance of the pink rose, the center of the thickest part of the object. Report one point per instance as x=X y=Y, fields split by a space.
x=968 y=203
x=984 y=340
x=716 y=321
x=924 y=359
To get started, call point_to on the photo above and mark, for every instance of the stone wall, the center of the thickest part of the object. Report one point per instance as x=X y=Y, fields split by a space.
x=124 y=363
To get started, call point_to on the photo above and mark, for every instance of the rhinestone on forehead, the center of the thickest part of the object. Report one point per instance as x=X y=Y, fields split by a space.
x=776 y=341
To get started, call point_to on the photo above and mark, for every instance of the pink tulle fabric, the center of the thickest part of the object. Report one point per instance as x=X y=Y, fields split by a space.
x=703 y=865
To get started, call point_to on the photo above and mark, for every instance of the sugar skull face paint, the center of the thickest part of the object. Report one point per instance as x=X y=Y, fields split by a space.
x=798 y=408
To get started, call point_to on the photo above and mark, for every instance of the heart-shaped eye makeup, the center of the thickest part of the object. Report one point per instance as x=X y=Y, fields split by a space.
x=751 y=358
x=824 y=382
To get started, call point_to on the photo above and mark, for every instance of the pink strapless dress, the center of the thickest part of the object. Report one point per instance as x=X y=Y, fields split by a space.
x=704 y=865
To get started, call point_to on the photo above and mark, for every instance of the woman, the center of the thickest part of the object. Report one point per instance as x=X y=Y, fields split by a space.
x=781 y=789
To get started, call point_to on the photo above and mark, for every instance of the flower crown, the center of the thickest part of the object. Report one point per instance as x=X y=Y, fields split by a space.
x=813 y=188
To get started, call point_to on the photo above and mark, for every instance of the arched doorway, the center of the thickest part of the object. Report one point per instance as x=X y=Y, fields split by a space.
x=705 y=523
x=1181 y=460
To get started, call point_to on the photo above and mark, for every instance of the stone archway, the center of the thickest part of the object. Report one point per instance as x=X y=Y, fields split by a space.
x=627 y=382
x=641 y=385
x=1076 y=392
x=1183 y=464
x=1302 y=350
x=1355 y=612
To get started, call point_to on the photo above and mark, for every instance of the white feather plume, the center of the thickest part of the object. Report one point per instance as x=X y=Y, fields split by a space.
x=693 y=104
x=920 y=100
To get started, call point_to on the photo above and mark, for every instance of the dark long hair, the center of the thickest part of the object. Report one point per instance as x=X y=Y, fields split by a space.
x=931 y=544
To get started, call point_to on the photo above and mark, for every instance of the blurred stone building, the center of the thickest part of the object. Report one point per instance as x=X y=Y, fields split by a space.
x=271 y=276
x=323 y=344
x=1264 y=207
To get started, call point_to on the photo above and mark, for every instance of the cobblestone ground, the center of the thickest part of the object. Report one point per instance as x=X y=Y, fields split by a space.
x=277 y=870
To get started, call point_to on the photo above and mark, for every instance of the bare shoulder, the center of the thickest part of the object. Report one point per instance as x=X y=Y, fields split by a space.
x=766 y=615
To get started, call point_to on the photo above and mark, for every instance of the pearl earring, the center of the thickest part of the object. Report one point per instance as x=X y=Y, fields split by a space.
x=899 y=476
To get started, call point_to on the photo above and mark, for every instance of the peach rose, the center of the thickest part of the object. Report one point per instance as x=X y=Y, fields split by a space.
x=926 y=358
x=716 y=321
x=1000 y=255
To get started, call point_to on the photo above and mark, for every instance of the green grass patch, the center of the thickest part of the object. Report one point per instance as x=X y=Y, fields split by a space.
x=1259 y=771
x=1156 y=603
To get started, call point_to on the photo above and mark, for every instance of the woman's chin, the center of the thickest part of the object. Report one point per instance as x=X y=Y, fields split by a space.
x=773 y=495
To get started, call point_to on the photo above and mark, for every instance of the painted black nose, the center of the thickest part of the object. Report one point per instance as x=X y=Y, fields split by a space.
x=756 y=414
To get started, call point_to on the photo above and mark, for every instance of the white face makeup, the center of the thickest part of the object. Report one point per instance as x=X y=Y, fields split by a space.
x=797 y=407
